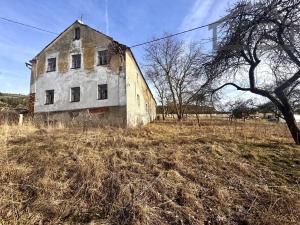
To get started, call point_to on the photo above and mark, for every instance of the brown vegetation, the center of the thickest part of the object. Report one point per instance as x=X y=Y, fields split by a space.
x=163 y=173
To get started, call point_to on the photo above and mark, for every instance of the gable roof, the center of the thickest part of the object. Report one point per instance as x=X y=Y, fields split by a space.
x=76 y=22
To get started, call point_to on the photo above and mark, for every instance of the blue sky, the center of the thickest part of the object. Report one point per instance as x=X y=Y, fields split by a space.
x=127 y=21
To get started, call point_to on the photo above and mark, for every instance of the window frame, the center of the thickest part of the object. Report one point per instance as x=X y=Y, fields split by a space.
x=77 y=33
x=49 y=93
x=73 y=62
x=72 y=95
x=102 y=59
x=54 y=68
x=105 y=87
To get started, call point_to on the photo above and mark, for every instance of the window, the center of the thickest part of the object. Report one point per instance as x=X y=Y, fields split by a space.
x=51 y=65
x=138 y=100
x=77 y=33
x=76 y=61
x=75 y=94
x=102 y=91
x=102 y=57
x=49 y=97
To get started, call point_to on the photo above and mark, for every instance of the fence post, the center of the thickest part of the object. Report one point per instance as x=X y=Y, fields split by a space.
x=20 y=119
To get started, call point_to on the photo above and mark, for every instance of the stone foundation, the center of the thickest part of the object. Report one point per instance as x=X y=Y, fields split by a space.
x=103 y=116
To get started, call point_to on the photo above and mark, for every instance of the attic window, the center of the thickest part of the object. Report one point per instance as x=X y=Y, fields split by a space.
x=77 y=33
x=102 y=57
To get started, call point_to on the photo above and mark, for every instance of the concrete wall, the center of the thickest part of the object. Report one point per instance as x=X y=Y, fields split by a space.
x=140 y=111
x=113 y=115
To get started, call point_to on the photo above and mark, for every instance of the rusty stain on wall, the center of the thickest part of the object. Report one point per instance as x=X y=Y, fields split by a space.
x=63 y=65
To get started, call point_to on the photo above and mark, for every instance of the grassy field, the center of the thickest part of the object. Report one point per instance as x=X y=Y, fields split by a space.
x=162 y=173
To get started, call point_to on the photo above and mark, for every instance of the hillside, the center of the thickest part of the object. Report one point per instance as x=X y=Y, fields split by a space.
x=163 y=173
x=12 y=100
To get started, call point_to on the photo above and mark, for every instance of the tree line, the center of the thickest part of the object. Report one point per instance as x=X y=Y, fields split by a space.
x=258 y=51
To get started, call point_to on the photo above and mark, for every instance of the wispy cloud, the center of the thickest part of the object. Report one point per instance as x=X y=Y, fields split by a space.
x=106 y=18
x=197 y=15
x=204 y=12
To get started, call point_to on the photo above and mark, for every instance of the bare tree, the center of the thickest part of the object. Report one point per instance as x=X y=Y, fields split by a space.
x=201 y=105
x=177 y=65
x=260 y=35
x=153 y=74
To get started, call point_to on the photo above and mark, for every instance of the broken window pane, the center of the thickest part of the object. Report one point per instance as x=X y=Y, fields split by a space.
x=76 y=61
x=102 y=57
x=75 y=94
x=51 y=65
x=49 y=97
x=77 y=33
x=102 y=91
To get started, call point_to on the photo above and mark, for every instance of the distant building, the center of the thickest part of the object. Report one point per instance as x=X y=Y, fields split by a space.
x=84 y=74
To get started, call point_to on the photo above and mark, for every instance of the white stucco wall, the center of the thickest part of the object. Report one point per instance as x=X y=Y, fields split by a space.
x=88 y=83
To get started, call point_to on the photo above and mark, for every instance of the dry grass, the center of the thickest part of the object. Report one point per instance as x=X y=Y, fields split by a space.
x=163 y=173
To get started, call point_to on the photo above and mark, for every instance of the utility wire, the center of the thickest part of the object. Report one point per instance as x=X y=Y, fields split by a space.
x=27 y=25
x=172 y=35
x=133 y=46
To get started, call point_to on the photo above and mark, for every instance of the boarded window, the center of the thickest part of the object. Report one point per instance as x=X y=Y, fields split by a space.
x=102 y=57
x=76 y=61
x=77 y=33
x=51 y=65
x=75 y=94
x=102 y=91
x=49 y=97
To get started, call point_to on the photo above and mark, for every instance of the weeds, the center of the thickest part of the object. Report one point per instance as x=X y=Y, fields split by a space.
x=163 y=173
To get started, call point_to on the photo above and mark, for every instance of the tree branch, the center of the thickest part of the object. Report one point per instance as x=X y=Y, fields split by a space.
x=231 y=84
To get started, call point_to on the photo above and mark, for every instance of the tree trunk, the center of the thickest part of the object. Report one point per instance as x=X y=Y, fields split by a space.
x=289 y=117
x=292 y=125
x=163 y=111
x=198 y=119
x=179 y=117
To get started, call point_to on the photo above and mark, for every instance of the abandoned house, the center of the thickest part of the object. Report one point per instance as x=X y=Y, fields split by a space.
x=85 y=75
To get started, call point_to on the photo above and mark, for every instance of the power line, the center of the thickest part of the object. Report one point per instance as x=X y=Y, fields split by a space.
x=27 y=25
x=133 y=46
x=172 y=35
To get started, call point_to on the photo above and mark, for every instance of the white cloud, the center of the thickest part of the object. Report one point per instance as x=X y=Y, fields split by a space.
x=197 y=15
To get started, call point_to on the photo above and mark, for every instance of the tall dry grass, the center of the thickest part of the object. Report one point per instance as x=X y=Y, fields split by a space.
x=163 y=173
